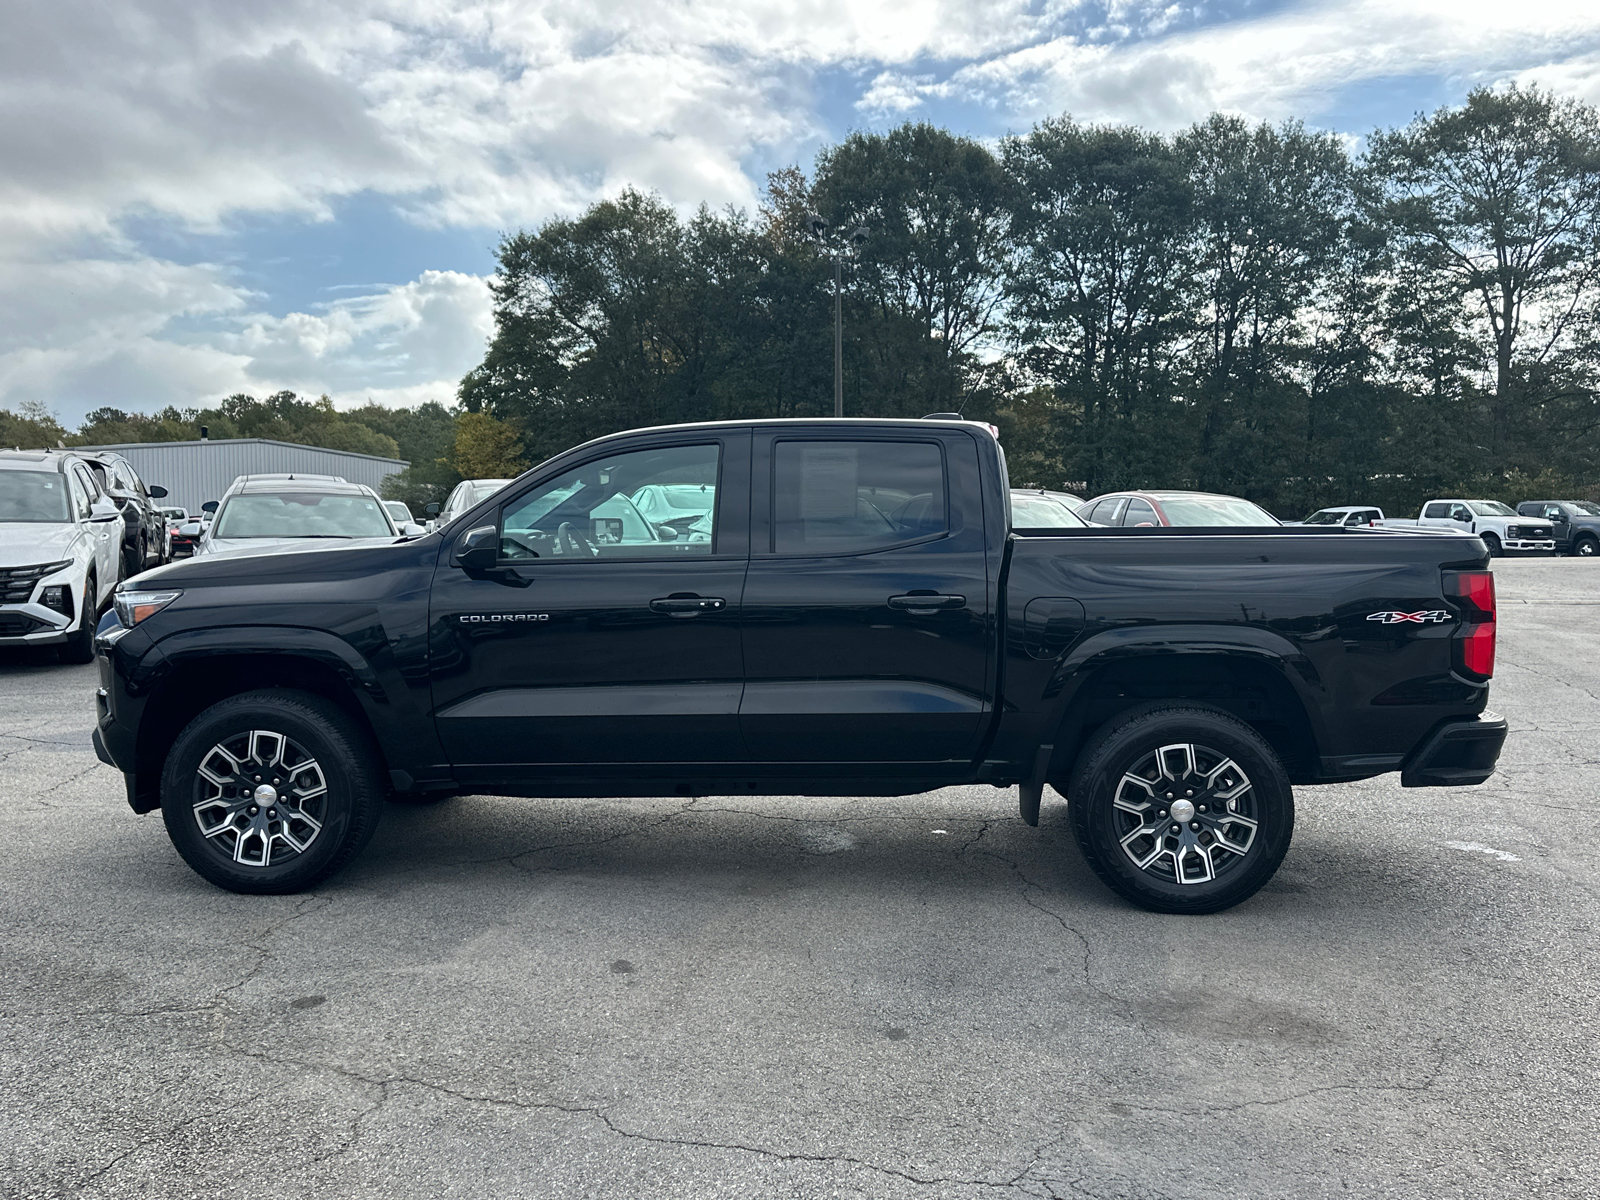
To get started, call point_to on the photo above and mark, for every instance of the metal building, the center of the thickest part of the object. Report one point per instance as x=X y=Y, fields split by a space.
x=194 y=472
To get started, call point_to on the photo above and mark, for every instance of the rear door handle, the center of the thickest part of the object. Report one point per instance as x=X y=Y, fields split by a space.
x=682 y=605
x=926 y=602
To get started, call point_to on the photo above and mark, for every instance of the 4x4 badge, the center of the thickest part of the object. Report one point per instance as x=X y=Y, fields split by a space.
x=1416 y=618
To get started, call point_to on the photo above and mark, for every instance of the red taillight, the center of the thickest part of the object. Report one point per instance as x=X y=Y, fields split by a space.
x=1475 y=590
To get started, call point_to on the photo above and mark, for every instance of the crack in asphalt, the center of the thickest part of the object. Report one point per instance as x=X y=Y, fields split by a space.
x=511 y=859
x=597 y=1113
x=143 y=1143
x=56 y=787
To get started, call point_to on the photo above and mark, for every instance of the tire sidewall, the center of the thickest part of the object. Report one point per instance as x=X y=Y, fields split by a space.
x=1586 y=548
x=327 y=734
x=79 y=646
x=1493 y=545
x=1120 y=749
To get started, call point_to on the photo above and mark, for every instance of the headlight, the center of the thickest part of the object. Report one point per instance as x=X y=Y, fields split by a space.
x=133 y=607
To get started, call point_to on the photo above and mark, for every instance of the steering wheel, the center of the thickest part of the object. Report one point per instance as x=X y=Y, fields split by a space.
x=568 y=538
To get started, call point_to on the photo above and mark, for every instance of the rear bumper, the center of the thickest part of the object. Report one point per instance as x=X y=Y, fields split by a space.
x=1457 y=754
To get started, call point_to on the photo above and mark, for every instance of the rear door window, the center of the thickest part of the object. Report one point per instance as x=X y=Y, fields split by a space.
x=1139 y=513
x=1106 y=511
x=1436 y=511
x=831 y=497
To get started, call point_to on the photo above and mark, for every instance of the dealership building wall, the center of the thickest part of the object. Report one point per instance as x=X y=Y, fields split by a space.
x=194 y=472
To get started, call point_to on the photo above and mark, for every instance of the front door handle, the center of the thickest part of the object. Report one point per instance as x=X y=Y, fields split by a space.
x=924 y=604
x=684 y=604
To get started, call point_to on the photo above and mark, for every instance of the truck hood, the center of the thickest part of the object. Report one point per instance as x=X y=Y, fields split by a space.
x=266 y=561
x=28 y=543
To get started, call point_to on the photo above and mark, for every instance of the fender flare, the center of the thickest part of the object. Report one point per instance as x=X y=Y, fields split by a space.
x=298 y=641
x=1089 y=656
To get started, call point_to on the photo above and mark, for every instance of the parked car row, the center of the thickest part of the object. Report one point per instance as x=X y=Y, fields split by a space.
x=1533 y=527
x=72 y=526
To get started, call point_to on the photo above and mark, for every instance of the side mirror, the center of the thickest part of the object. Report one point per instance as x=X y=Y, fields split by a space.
x=479 y=549
x=412 y=529
x=432 y=510
x=666 y=533
x=158 y=492
x=209 y=506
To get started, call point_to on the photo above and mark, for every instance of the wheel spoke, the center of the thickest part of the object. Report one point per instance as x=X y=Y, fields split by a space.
x=277 y=742
x=1186 y=757
x=1181 y=858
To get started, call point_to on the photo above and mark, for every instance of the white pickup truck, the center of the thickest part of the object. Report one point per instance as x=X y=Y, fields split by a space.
x=1501 y=529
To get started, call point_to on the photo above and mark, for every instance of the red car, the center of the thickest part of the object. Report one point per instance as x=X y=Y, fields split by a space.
x=1186 y=509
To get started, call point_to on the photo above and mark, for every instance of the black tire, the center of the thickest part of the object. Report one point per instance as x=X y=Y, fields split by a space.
x=1493 y=543
x=1585 y=547
x=266 y=855
x=1193 y=742
x=79 y=646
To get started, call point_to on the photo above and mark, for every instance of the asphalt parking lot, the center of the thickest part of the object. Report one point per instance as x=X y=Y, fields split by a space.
x=919 y=997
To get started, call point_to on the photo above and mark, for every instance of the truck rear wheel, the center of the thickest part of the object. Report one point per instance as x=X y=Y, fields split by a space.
x=1181 y=808
x=270 y=791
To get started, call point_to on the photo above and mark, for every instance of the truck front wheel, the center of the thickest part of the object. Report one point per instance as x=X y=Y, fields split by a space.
x=1493 y=545
x=271 y=791
x=1181 y=808
x=1586 y=547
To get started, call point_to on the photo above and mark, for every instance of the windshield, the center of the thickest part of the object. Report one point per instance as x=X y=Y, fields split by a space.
x=1490 y=508
x=1328 y=516
x=1586 y=508
x=1214 y=510
x=1040 y=512
x=398 y=510
x=33 y=496
x=485 y=488
x=301 y=514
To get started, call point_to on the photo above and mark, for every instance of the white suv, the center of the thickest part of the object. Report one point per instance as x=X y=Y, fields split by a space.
x=60 y=552
x=467 y=493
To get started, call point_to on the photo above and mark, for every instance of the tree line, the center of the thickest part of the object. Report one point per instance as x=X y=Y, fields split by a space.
x=1245 y=308
x=443 y=445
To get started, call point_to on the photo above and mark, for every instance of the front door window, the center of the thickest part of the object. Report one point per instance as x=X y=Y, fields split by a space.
x=646 y=504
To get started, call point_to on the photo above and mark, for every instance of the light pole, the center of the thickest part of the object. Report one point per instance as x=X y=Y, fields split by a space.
x=837 y=248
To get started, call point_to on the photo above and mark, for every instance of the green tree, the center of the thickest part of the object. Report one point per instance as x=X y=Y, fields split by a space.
x=486 y=448
x=1098 y=292
x=1271 y=208
x=929 y=279
x=31 y=427
x=1498 y=203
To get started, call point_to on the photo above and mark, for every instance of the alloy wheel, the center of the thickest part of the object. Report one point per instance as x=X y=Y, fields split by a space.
x=1185 y=813
x=260 y=798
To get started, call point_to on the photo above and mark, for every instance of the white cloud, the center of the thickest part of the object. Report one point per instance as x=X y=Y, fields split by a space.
x=1286 y=65
x=502 y=113
x=436 y=326
x=114 y=334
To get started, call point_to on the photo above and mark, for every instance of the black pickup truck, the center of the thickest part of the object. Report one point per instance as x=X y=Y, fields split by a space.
x=836 y=607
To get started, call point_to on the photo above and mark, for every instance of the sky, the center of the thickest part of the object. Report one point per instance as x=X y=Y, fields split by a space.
x=203 y=197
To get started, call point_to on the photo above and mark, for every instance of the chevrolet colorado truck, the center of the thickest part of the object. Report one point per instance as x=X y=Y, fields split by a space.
x=852 y=612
